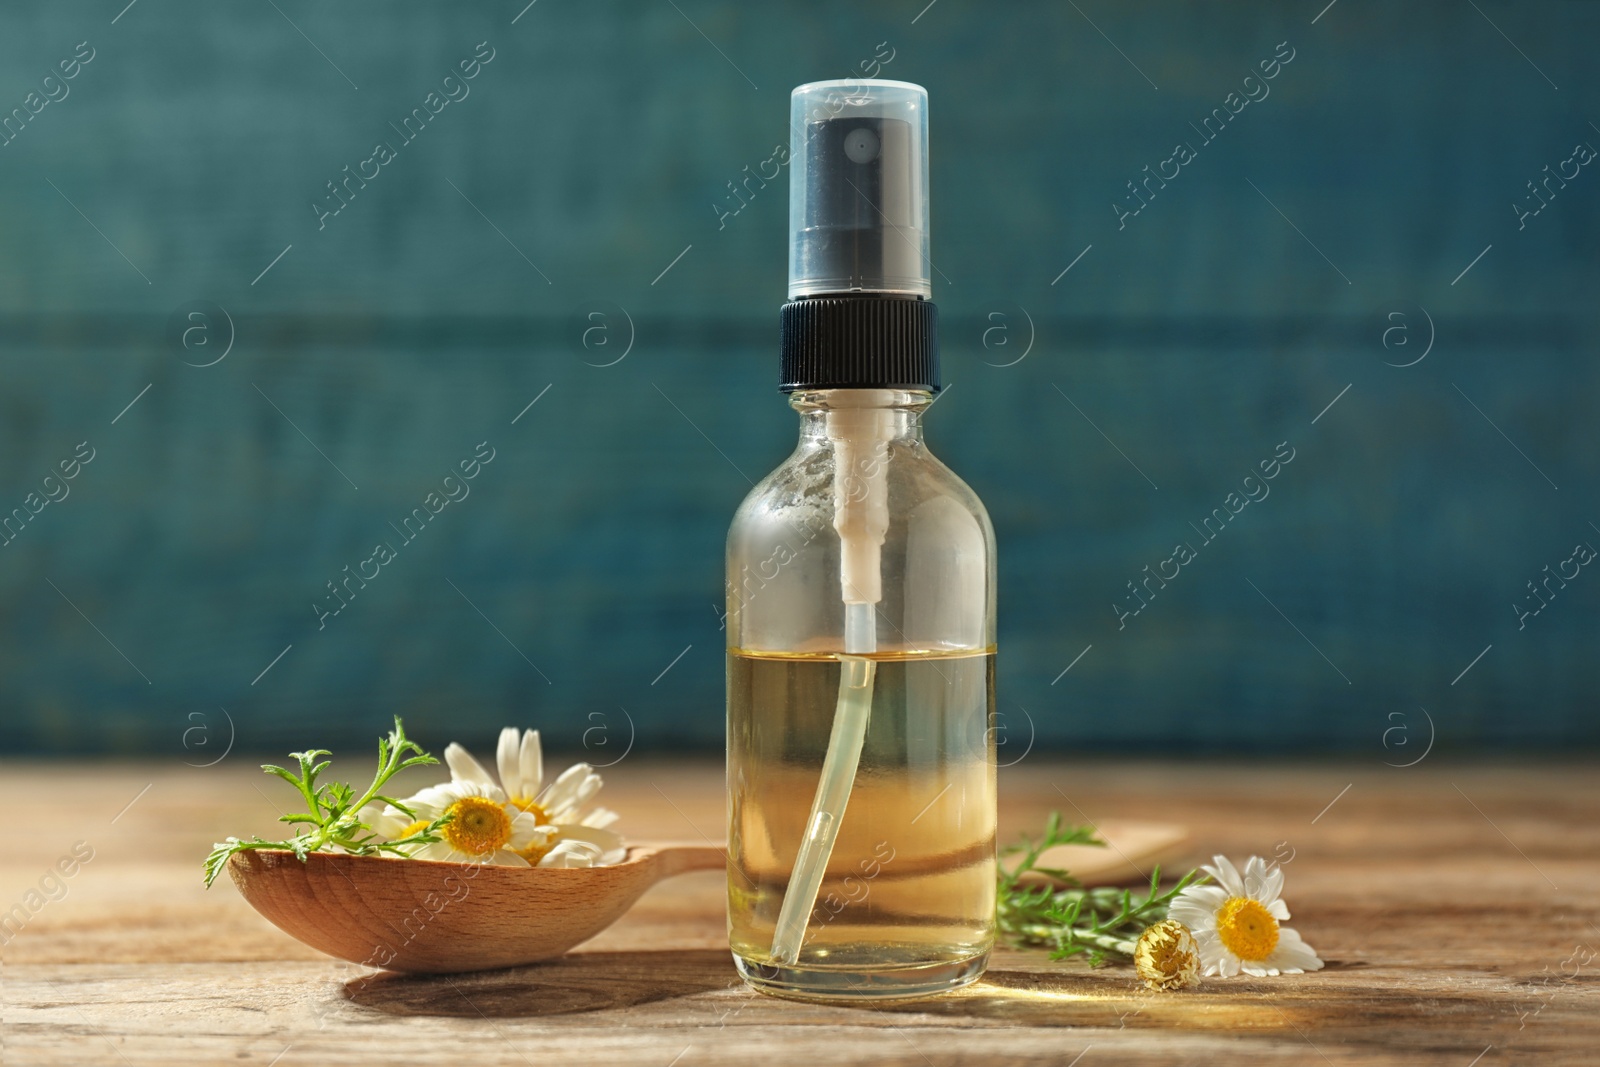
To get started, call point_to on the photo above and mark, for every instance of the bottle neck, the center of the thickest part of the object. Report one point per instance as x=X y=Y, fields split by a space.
x=897 y=411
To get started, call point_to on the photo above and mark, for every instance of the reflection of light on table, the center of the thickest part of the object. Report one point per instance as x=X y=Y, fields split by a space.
x=985 y=991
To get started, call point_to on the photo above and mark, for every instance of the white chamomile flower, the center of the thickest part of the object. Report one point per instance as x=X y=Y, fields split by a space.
x=485 y=827
x=391 y=824
x=1237 y=922
x=579 y=833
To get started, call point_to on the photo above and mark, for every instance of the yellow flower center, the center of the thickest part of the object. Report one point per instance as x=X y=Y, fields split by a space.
x=1247 y=929
x=534 y=853
x=413 y=828
x=526 y=804
x=480 y=826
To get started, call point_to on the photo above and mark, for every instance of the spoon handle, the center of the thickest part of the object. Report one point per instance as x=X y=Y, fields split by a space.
x=681 y=858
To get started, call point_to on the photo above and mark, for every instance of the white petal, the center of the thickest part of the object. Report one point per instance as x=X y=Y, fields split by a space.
x=1204 y=896
x=1278 y=910
x=526 y=831
x=570 y=854
x=394 y=812
x=1211 y=952
x=1210 y=948
x=607 y=844
x=374 y=815
x=1272 y=886
x=463 y=767
x=1289 y=935
x=509 y=859
x=1255 y=875
x=1293 y=955
x=572 y=790
x=564 y=785
x=1196 y=918
x=485 y=789
x=599 y=818
x=506 y=759
x=587 y=789
x=527 y=822
x=430 y=803
x=1228 y=965
x=436 y=850
x=1226 y=875
x=532 y=760
x=395 y=824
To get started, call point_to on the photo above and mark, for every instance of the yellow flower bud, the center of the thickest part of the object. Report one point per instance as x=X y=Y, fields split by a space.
x=1167 y=956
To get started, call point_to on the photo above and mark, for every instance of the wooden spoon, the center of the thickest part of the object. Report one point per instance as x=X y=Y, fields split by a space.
x=431 y=917
x=1126 y=857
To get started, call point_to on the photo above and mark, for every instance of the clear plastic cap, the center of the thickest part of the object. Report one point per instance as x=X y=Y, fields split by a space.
x=858 y=188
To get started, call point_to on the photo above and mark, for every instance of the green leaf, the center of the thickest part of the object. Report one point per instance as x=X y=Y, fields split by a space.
x=1068 y=918
x=332 y=808
x=288 y=776
x=395 y=804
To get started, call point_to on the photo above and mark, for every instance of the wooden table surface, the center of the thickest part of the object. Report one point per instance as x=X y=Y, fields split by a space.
x=1456 y=906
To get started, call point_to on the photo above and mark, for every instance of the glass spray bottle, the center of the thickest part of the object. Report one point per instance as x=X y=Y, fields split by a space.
x=861 y=605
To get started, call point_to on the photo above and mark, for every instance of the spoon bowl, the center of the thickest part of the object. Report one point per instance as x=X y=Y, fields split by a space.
x=429 y=917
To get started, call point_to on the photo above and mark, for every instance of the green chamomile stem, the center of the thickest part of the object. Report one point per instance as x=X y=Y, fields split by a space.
x=304 y=788
x=1049 y=934
x=394 y=763
x=335 y=818
x=384 y=774
x=1106 y=941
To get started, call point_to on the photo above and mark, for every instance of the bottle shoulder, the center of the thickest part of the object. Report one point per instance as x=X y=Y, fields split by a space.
x=954 y=486
x=805 y=482
x=935 y=555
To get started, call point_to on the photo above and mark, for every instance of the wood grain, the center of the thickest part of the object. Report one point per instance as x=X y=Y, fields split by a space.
x=1453 y=903
x=418 y=916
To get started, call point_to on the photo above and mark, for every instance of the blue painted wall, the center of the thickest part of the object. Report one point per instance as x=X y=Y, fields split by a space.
x=512 y=248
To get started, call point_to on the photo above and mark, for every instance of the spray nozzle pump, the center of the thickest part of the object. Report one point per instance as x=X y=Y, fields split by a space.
x=858 y=201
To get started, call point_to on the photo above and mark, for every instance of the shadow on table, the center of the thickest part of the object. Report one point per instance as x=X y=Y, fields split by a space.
x=1111 y=997
x=589 y=981
x=600 y=981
